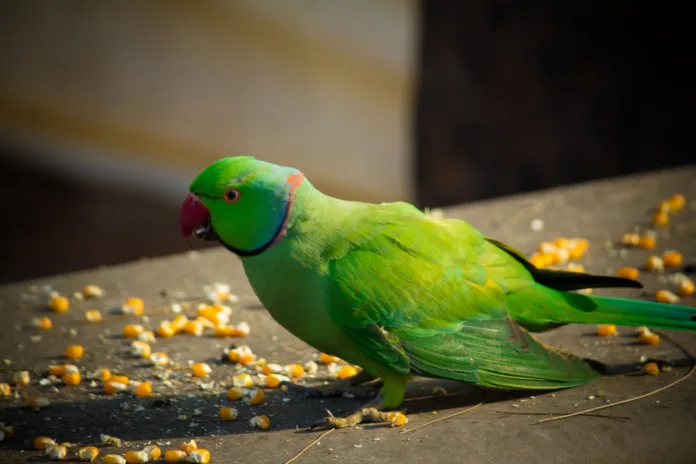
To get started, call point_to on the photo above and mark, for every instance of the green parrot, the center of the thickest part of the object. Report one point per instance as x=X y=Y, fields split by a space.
x=398 y=292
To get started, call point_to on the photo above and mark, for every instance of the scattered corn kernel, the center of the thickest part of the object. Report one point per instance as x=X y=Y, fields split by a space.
x=159 y=359
x=136 y=457
x=179 y=322
x=37 y=402
x=43 y=442
x=649 y=338
x=114 y=459
x=88 y=453
x=243 y=329
x=228 y=413
x=225 y=331
x=102 y=374
x=271 y=368
x=5 y=390
x=660 y=219
x=540 y=260
x=643 y=330
x=328 y=359
x=132 y=330
x=665 y=296
x=651 y=368
x=260 y=422
x=57 y=370
x=606 y=330
x=22 y=378
x=397 y=419
x=311 y=367
x=630 y=239
x=256 y=397
x=166 y=329
x=672 y=258
x=241 y=355
x=120 y=379
x=144 y=389
x=294 y=370
x=676 y=202
x=173 y=456
x=153 y=451
x=235 y=393
x=214 y=314
x=194 y=328
x=72 y=378
x=205 y=323
x=628 y=273
x=242 y=380
x=133 y=307
x=654 y=263
x=189 y=446
x=93 y=315
x=575 y=267
x=74 y=351
x=92 y=291
x=43 y=323
x=218 y=292
x=57 y=452
x=647 y=242
x=141 y=349
x=346 y=371
x=199 y=456
x=108 y=440
x=274 y=380
x=686 y=287
x=59 y=304
x=201 y=370
x=577 y=248
x=111 y=387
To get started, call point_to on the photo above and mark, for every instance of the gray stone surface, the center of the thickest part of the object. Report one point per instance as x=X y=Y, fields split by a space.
x=656 y=429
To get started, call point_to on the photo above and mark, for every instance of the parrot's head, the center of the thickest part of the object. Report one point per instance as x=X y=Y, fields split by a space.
x=241 y=202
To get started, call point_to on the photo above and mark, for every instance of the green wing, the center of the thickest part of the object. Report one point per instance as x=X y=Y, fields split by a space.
x=429 y=296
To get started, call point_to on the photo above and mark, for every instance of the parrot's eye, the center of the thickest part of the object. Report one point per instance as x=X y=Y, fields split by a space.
x=232 y=195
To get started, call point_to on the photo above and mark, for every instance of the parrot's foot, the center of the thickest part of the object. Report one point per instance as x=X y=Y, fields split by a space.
x=344 y=387
x=371 y=412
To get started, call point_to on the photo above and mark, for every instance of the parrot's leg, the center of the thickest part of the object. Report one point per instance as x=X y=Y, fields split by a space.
x=390 y=397
x=336 y=388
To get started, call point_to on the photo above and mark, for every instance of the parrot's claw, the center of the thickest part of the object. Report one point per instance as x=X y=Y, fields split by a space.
x=368 y=413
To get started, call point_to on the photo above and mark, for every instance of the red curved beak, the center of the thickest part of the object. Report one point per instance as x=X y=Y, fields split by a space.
x=192 y=215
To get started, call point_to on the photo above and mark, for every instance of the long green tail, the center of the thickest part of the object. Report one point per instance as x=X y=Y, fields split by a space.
x=540 y=308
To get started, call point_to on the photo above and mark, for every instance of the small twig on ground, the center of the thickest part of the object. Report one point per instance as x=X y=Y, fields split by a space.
x=309 y=446
x=521 y=413
x=448 y=417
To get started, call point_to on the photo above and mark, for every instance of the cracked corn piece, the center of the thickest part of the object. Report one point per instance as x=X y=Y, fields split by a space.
x=144 y=389
x=74 y=351
x=112 y=387
x=153 y=451
x=328 y=359
x=133 y=307
x=43 y=323
x=141 y=349
x=397 y=419
x=108 y=440
x=294 y=370
x=274 y=380
x=685 y=287
x=242 y=380
x=132 y=330
x=71 y=378
x=606 y=330
x=93 y=315
x=199 y=456
x=241 y=355
x=159 y=358
x=201 y=370
x=649 y=338
x=260 y=422
x=672 y=258
x=172 y=456
x=92 y=291
x=189 y=446
x=665 y=296
x=166 y=329
x=57 y=452
x=44 y=442
x=255 y=397
x=5 y=390
x=228 y=413
x=654 y=263
x=22 y=378
x=628 y=273
x=651 y=368
x=114 y=459
x=59 y=304
x=88 y=453
x=346 y=371
x=235 y=393
x=137 y=457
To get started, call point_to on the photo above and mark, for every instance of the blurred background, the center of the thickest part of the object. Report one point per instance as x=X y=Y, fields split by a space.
x=108 y=109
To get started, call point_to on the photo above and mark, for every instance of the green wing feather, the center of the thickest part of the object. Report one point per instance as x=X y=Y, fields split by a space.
x=429 y=296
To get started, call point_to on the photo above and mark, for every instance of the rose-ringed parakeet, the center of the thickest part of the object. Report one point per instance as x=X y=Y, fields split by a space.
x=401 y=293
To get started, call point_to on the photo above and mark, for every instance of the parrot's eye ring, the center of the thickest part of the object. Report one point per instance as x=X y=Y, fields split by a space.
x=232 y=195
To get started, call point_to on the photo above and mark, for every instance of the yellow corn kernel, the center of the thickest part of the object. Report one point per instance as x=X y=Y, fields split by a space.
x=74 y=351
x=43 y=442
x=560 y=256
x=686 y=287
x=5 y=390
x=649 y=338
x=43 y=323
x=540 y=260
x=243 y=329
x=242 y=380
x=133 y=307
x=577 y=248
x=271 y=368
x=672 y=258
x=201 y=370
x=93 y=315
x=562 y=243
x=274 y=380
x=260 y=422
x=166 y=329
x=59 y=304
x=227 y=413
x=102 y=374
x=92 y=291
x=120 y=379
x=57 y=370
x=57 y=452
x=72 y=378
x=241 y=355
x=397 y=419
x=225 y=331
x=179 y=322
x=141 y=349
x=660 y=219
x=136 y=457
x=628 y=273
x=235 y=393
x=199 y=456
x=214 y=313
x=328 y=359
x=665 y=296
x=630 y=239
x=172 y=456
x=651 y=368
x=189 y=446
x=132 y=330
x=294 y=370
x=256 y=397
x=546 y=248
x=37 y=402
x=643 y=330
x=647 y=242
x=148 y=337
x=575 y=267
x=205 y=323
x=88 y=453
x=114 y=459
x=111 y=387
x=159 y=358
x=606 y=330
x=144 y=389
x=194 y=328
x=654 y=263
x=22 y=378
x=676 y=202
x=153 y=451
x=346 y=371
